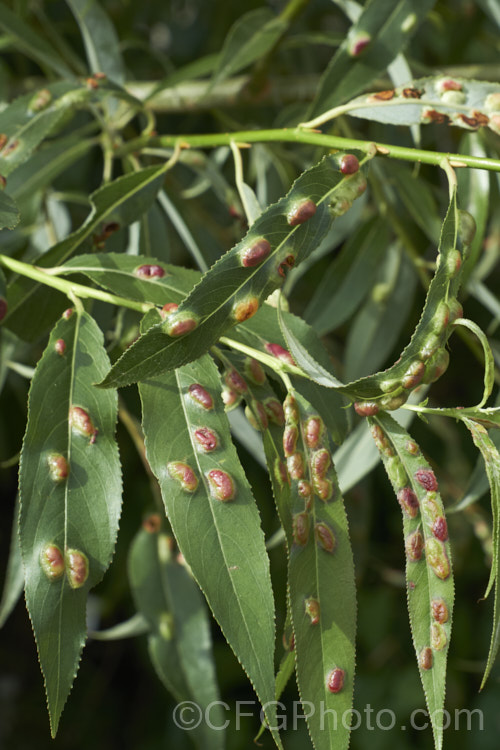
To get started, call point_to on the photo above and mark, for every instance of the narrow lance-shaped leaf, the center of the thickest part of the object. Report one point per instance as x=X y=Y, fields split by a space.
x=212 y=512
x=425 y=358
x=70 y=491
x=14 y=577
x=443 y=100
x=249 y=39
x=491 y=458
x=9 y=212
x=180 y=643
x=117 y=204
x=320 y=578
x=100 y=39
x=380 y=33
x=232 y=290
x=135 y=277
x=429 y=575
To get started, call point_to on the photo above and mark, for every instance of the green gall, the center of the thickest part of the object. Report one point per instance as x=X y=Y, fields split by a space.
x=339 y=206
x=437 y=559
x=431 y=508
x=436 y=366
x=300 y=529
x=430 y=347
x=252 y=420
x=492 y=103
x=165 y=546
x=409 y=23
x=325 y=537
x=168 y=308
x=323 y=488
x=381 y=441
x=183 y=474
x=466 y=227
x=260 y=414
x=312 y=609
x=67 y=313
x=290 y=409
x=52 y=562
x=280 y=473
x=221 y=485
x=230 y=398
x=396 y=472
x=77 y=568
x=166 y=626
x=453 y=97
x=389 y=386
x=304 y=489
x=320 y=463
x=40 y=100
x=441 y=318
x=152 y=523
x=393 y=402
x=453 y=263
x=411 y=447
x=456 y=310
x=425 y=659
x=295 y=466
x=438 y=636
x=58 y=467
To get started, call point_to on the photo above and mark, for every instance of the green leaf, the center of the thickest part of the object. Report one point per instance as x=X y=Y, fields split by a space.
x=100 y=38
x=77 y=512
x=381 y=32
x=376 y=329
x=491 y=457
x=474 y=190
x=349 y=277
x=179 y=643
x=14 y=577
x=46 y=164
x=320 y=582
x=32 y=308
x=251 y=37
x=427 y=345
x=220 y=300
x=427 y=582
x=459 y=101
x=9 y=212
x=134 y=626
x=228 y=558
x=118 y=273
x=31 y=44
x=489 y=362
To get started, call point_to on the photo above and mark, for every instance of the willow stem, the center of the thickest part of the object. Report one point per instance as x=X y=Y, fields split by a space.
x=70 y=288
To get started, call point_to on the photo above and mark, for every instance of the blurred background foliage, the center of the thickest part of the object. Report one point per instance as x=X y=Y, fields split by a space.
x=117 y=700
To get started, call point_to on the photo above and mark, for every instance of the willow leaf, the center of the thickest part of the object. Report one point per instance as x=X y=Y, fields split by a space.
x=127 y=276
x=232 y=289
x=491 y=457
x=9 y=212
x=250 y=38
x=426 y=350
x=179 y=643
x=70 y=492
x=131 y=628
x=122 y=201
x=320 y=578
x=14 y=577
x=383 y=29
x=100 y=38
x=430 y=589
x=217 y=529
x=455 y=101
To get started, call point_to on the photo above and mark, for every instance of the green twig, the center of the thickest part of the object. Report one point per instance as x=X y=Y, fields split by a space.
x=314 y=138
x=70 y=288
